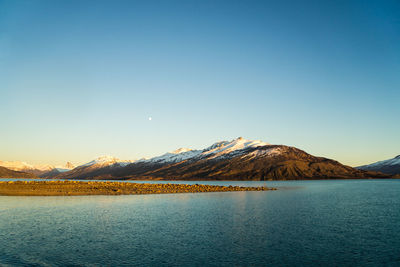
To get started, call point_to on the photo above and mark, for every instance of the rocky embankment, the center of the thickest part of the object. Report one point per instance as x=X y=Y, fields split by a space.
x=75 y=188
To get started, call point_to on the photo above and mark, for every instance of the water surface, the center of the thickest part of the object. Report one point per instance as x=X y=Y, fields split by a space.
x=335 y=222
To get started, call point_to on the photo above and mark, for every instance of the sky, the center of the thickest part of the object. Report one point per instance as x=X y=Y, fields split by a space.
x=80 y=79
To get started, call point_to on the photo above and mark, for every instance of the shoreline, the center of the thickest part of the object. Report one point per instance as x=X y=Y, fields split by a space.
x=395 y=177
x=80 y=188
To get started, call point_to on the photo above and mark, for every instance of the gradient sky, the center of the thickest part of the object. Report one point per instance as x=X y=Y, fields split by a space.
x=79 y=79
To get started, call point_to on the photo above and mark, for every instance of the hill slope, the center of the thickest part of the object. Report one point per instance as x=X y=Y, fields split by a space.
x=239 y=159
x=7 y=173
x=25 y=167
x=390 y=166
x=100 y=167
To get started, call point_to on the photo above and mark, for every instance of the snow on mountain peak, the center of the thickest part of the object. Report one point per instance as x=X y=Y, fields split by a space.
x=16 y=165
x=180 y=150
x=215 y=150
x=106 y=158
x=225 y=147
x=395 y=161
x=23 y=166
x=382 y=163
x=44 y=167
x=106 y=161
x=178 y=155
x=67 y=167
x=222 y=148
x=217 y=145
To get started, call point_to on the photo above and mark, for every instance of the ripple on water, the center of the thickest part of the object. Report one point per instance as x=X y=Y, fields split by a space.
x=310 y=222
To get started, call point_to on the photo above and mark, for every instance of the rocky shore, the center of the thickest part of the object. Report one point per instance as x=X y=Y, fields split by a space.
x=77 y=188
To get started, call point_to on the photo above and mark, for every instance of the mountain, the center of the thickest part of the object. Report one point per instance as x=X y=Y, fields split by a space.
x=52 y=173
x=69 y=166
x=239 y=159
x=100 y=166
x=105 y=161
x=57 y=170
x=216 y=150
x=390 y=166
x=7 y=173
x=25 y=167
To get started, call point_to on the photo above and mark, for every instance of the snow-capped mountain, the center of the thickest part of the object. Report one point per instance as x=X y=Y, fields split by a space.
x=239 y=159
x=390 y=166
x=57 y=170
x=104 y=161
x=43 y=170
x=95 y=167
x=223 y=148
x=67 y=167
x=174 y=156
x=25 y=167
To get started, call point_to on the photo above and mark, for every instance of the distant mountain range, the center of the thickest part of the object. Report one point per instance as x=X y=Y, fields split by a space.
x=239 y=159
x=7 y=173
x=37 y=170
x=390 y=166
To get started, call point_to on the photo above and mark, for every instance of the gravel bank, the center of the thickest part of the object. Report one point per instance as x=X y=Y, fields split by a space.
x=77 y=188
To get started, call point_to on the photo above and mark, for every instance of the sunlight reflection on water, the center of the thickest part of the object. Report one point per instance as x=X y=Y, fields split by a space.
x=335 y=222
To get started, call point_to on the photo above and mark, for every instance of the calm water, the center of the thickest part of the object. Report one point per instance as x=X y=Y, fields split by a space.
x=353 y=222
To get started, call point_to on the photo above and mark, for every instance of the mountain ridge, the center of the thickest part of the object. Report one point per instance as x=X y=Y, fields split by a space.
x=389 y=166
x=239 y=159
x=7 y=173
x=38 y=170
x=25 y=167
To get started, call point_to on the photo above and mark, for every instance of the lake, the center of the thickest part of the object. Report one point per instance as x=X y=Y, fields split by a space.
x=329 y=223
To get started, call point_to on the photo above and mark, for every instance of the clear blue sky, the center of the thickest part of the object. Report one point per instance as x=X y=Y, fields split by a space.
x=79 y=79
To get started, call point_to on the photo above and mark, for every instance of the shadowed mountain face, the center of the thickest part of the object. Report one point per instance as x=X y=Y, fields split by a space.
x=259 y=163
x=101 y=167
x=7 y=173
x=390 y=166
x=239 y=159
x=50 y=174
